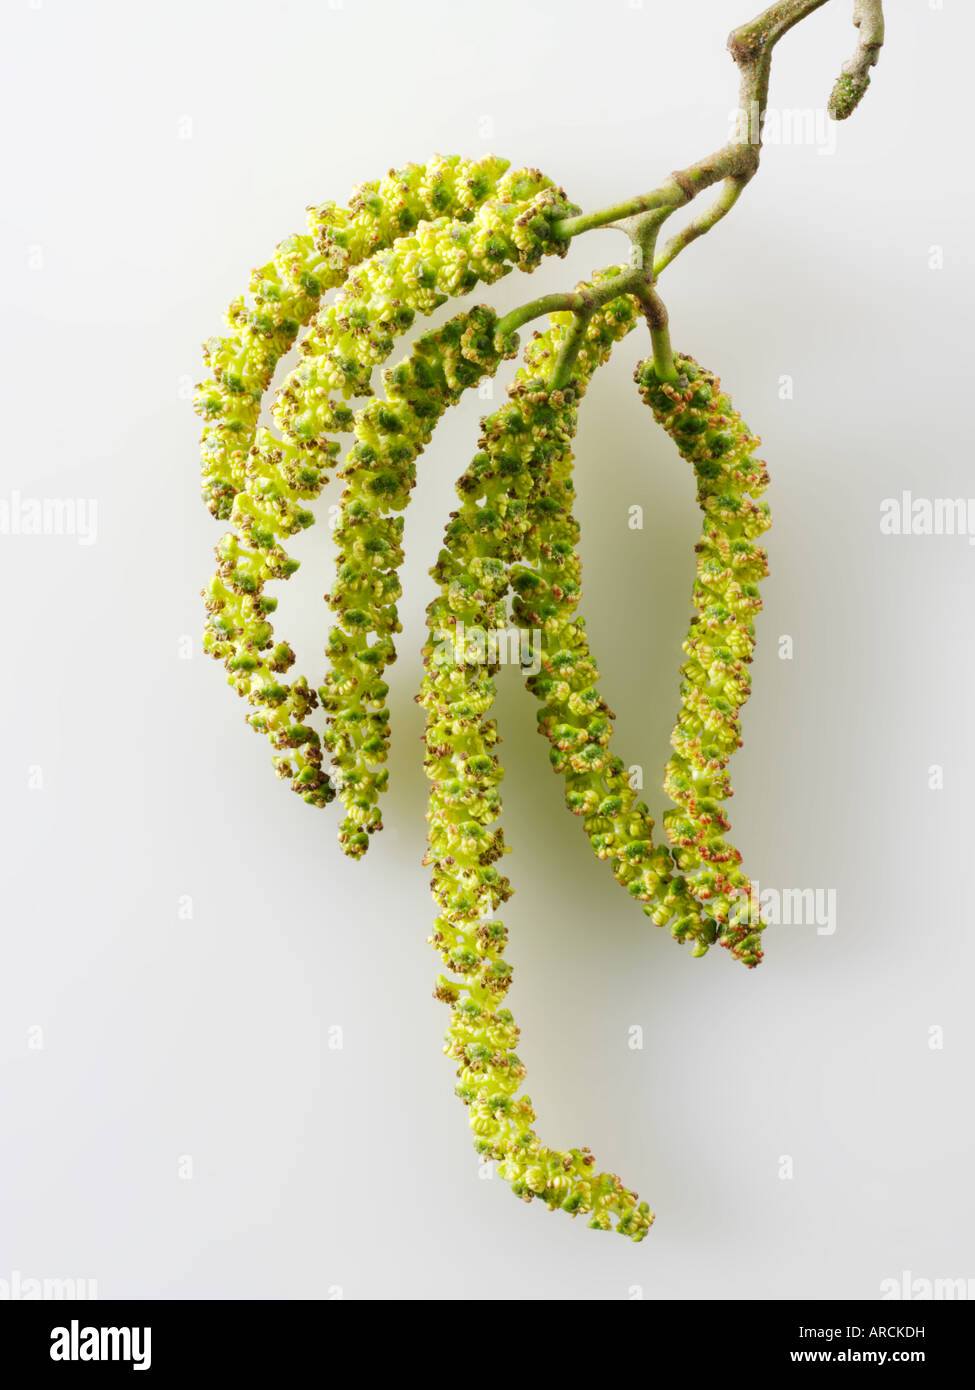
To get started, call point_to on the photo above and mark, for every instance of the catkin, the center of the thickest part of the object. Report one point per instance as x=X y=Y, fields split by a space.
x=380 y=472
x=286 y=292
x=465 y=845
x=711 y=435
x=578 y=722
x=440 y=259
x=404 y=245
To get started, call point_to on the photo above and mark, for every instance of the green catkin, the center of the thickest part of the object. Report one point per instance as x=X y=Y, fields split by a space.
x=441 y=258
x=847 y=94
x=405 y=245
x=574 y=717
x=262 y=482
x=465 y=800
x=711 y=435
x=287 y=291
x=239 y=631
x=380 y=473
x=442 y=364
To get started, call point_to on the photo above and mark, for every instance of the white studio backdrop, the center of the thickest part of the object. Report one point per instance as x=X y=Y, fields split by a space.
x=221 y=1067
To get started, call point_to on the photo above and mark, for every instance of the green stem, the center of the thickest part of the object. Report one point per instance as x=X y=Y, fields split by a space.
x=751 y=46
x=658 y=322
x=669 y=195
x=583 y=301
x=722 y=205
x=734 y=165
x=569 y=351
x=545 y=304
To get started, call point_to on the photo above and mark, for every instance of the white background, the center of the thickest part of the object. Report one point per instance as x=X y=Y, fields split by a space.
x=154 y=153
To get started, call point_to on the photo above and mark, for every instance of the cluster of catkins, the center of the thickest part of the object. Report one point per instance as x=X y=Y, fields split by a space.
x=694 y=883
x=404 y=246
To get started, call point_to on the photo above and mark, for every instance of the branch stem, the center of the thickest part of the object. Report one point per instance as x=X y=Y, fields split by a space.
x=722 y=205
x=581 y=301
x=658 y=321
x=569 y=351
x=668 y=196
x=545 y=304
x=734 y=165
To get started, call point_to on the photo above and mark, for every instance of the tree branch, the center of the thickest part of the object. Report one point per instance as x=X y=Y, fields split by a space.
x=736 y=163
